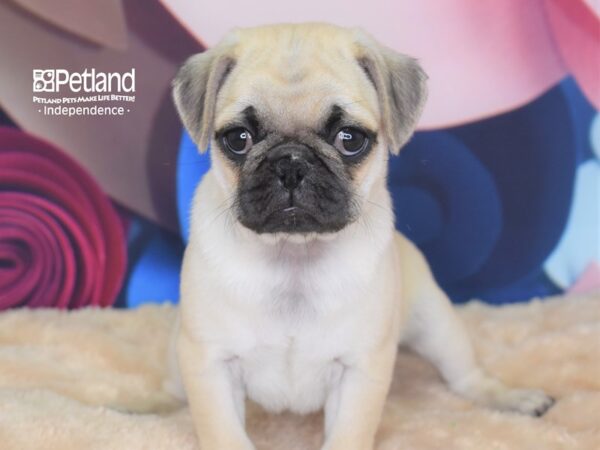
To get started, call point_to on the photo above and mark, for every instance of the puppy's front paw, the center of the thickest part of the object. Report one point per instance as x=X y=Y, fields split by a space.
x=492 y=393
x=526 y=401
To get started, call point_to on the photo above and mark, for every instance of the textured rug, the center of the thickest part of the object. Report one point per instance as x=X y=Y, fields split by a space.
x=90 y=379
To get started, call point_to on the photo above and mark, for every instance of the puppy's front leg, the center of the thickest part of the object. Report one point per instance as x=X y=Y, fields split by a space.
x=353 y=409
x=216 y=400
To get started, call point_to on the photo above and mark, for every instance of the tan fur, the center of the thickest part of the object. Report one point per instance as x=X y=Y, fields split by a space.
x=303 y=322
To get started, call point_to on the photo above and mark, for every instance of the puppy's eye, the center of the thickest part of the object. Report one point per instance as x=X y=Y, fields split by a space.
x=238 y=141
x=350 y=141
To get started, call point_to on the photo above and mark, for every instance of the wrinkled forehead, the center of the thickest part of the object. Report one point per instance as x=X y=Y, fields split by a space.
x=296 y=86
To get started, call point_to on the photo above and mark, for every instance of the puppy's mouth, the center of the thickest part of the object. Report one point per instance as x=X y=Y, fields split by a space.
x=293 y=219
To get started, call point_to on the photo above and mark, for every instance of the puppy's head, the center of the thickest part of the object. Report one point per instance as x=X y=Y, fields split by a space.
x=300 y=119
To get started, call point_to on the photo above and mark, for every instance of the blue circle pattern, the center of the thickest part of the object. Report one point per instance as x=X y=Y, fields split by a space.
x=438 y=166
x=526 y=162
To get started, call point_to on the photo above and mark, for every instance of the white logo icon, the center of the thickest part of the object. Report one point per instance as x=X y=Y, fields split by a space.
x=43 y=80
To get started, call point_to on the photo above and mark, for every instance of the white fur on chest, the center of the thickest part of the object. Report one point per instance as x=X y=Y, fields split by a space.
x=289 y=371
x=287 y=332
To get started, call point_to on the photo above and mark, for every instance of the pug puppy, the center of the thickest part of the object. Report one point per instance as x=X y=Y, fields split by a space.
x=296 y=290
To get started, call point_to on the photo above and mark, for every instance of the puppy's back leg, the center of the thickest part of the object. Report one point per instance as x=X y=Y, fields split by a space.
x=435 y=331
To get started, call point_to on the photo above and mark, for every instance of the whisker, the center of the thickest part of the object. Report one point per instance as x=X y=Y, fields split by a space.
x=227 y=206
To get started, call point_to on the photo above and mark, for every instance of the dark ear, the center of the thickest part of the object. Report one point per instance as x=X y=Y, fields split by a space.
x=195 y=90
x=401 y=88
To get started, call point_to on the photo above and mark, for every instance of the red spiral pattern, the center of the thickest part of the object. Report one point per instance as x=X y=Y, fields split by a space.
x=62 y=243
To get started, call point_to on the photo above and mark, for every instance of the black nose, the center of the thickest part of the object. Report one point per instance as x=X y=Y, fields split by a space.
x=291 y=163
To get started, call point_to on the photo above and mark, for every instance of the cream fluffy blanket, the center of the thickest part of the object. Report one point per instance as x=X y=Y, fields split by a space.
x=91 y=379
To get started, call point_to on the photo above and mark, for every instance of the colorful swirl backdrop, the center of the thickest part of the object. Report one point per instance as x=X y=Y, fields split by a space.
x=500 y=186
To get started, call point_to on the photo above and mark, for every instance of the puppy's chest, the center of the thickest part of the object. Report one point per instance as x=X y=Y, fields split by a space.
x=293 y=336
x=283 y=371
x=290 y=363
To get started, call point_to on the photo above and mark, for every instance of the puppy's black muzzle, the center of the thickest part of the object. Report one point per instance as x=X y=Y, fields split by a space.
x=292 y=190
